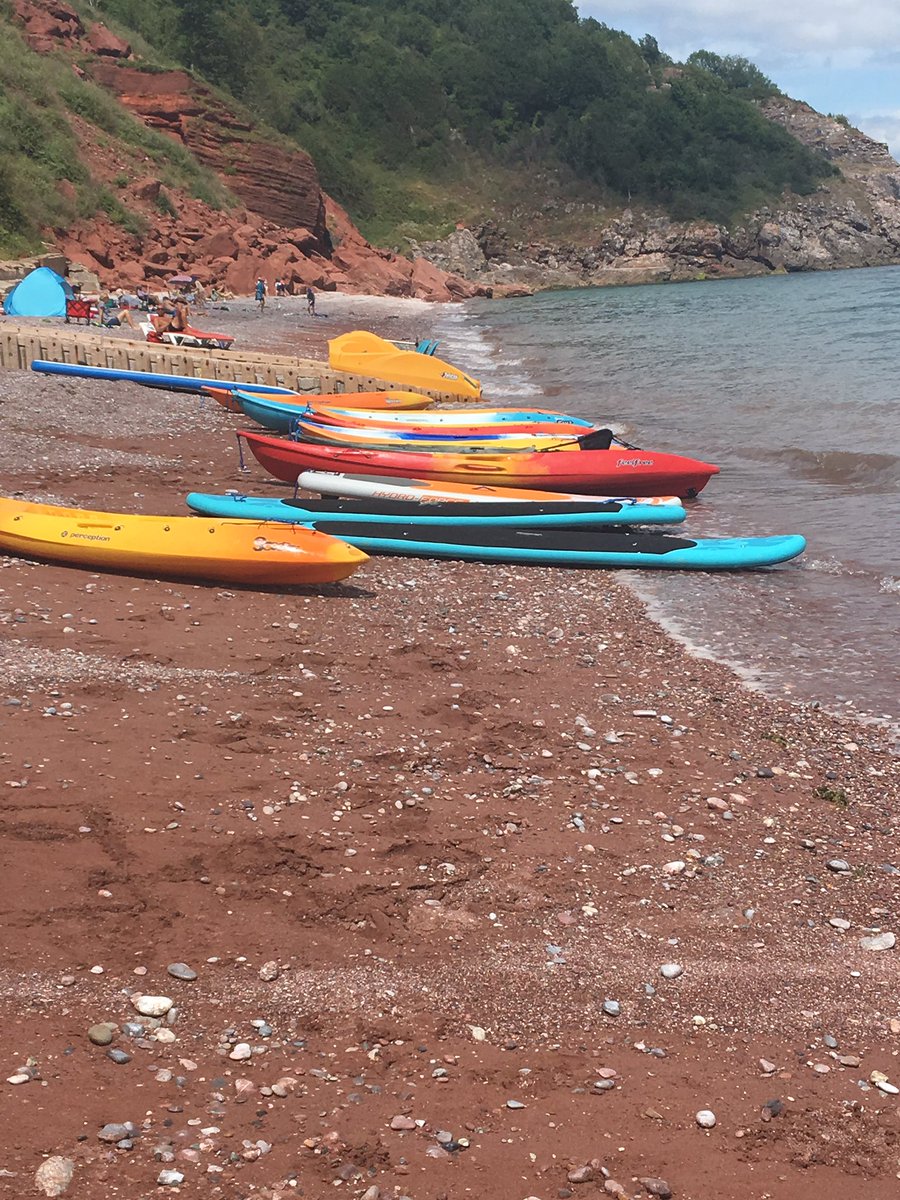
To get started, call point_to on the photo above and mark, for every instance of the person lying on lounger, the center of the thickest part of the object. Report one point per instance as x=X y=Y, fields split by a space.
x=172 y=316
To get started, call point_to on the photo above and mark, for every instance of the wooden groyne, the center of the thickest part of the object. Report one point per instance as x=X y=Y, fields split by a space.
x=20 y=345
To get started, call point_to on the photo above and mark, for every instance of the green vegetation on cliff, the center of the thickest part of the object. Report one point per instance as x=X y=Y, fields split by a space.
x=417 y=112
x=391 y=96
x=46 y=111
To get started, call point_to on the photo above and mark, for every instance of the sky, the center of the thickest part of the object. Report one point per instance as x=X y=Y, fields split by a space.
x=838 y=57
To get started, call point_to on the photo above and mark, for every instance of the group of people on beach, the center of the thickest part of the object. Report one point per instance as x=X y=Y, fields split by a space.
x=282 y=289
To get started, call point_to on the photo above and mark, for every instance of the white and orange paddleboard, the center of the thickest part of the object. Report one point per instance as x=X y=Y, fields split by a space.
x=366 y=487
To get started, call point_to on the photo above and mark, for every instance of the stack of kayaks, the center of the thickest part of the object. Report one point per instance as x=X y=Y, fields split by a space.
x=386 y=460
x=524 y=486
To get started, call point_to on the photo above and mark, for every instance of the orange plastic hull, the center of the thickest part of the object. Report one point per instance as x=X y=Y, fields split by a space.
x=374 y=401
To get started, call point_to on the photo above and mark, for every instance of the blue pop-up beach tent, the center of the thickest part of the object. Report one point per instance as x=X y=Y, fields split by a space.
x=43 y=293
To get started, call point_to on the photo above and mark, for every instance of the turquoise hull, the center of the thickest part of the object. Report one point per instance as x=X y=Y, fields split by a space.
x=610 y=547
x=281 y=418
x=266 y=509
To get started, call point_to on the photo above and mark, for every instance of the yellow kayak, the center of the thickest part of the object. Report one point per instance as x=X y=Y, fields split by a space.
x=367 y=354
x=221 y=551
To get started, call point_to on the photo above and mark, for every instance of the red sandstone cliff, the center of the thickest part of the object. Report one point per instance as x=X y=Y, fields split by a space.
x=284 y=227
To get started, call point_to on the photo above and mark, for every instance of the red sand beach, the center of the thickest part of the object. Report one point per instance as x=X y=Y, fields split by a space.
x=483 y=886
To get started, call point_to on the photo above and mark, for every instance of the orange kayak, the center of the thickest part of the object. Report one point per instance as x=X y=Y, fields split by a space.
x=374 y=401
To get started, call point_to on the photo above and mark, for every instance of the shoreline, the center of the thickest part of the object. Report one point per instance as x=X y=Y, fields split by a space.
x=426 y=826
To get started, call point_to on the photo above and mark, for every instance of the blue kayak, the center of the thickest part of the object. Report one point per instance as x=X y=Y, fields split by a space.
x=447 y=514
x=279 y=417
x=171 y=383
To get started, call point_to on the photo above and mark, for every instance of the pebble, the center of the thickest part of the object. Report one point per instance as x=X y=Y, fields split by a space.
x=581 y=1174
x=54 y=1175
x=671 y=970
x=840 y=866
x=657 y=1187
x=402 y=1123
x=118 y=1056
x=169 y=1178
x=114 y=1132
x=284 y=1086
x=675 y=868
x=241 y=1052
x=514 y=1104
x=889 y=1089
x=167 y=1036
x=880 y=941
x=612 y=1008
x=767 y=1067
x=839 y=923
x=101 y=1035
x=19 y=1077
x=152 y=1006
x=180 y=970
x=269 y=971
x=705 y=1118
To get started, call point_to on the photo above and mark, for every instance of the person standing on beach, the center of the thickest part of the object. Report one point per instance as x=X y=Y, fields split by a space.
x=310 y=302
x=261 y=294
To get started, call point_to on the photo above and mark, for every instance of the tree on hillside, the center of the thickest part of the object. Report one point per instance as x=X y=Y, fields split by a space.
x=218 y=40
x=737 y=73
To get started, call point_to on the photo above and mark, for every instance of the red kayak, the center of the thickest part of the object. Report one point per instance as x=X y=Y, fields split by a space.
x=614 y=472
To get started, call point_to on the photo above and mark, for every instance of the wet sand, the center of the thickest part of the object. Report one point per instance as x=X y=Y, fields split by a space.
x=438 y=829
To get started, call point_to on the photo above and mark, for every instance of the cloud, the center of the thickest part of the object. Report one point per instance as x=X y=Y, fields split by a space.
x=770 y=30
x=883 y=127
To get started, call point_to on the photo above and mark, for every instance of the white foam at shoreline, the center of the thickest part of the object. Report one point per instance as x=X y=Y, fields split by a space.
x=463 y=340
x=753 y=678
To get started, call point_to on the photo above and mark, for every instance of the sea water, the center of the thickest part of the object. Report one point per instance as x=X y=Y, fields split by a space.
x=791 y=384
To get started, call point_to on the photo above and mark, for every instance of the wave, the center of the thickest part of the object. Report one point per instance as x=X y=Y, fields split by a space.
x=464 y=340
x=870 y=472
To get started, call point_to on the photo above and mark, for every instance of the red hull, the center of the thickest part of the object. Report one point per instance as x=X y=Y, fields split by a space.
x=614 y=472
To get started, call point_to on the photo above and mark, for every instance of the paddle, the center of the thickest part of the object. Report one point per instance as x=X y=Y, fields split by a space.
x=597 y=439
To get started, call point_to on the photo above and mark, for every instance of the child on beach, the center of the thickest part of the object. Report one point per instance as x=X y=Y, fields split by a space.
x=310 y=302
